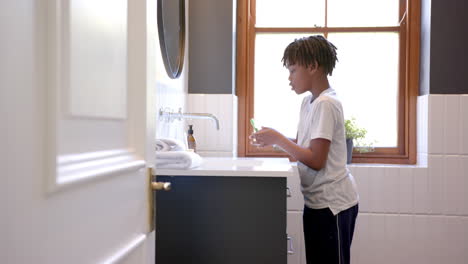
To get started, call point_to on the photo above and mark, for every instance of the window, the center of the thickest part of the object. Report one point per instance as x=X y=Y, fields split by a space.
x=376 y=76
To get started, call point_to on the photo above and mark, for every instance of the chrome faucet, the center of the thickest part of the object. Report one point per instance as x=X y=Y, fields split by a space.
x=171 y=116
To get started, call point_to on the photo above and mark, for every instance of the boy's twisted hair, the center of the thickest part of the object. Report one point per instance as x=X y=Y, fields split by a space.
x=310 y=51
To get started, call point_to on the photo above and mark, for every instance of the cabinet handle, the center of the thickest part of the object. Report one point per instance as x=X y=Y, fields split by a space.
x=290 y=248
x=288 y=192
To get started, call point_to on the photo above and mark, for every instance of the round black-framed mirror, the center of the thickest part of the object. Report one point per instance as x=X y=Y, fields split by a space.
x=171 y=29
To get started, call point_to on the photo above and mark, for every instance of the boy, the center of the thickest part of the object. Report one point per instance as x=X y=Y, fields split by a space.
x=330 y=195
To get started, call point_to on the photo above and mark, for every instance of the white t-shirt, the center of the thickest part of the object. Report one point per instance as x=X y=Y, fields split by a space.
x=333 y=186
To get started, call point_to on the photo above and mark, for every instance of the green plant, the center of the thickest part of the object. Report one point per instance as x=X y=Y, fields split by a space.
x=357 y=134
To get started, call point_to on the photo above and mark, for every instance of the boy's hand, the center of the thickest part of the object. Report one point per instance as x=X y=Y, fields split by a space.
x=265 y=137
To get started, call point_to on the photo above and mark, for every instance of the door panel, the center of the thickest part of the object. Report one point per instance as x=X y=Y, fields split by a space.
x=81 y=125
x=88 y=134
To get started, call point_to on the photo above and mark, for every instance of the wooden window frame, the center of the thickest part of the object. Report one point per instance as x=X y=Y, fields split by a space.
x=409 y=29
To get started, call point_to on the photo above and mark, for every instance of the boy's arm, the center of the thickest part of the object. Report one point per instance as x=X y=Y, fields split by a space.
x=315 y=156
x=293 y=139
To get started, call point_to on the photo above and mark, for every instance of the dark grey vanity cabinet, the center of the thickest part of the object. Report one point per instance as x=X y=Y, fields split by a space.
x=221 y=220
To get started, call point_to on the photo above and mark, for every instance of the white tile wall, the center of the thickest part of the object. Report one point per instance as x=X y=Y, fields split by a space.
x=464 y=183
x=453 y=183
x=405 y=251
x=422 y=159
x=361 y=175
x=419 y=214
x=422 y=121
x=452 y=125
x=391 y=190
x=376 y=238
x=464 y=124
x=419 y=241
x=420 y=191
x=448 y=124
x=212 y=142
x=436 y=124
x=171 y=98
x=376 y=189
x=391 y=239
x=406 y=239
x=405 y=191
x=361 y=236
x=436 y=185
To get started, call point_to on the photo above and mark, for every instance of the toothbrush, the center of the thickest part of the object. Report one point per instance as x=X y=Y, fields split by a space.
x=252 y=122
x=255 y=128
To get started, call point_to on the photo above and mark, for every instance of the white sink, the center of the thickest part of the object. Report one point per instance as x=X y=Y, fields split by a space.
x=231 y=162
x=223 y=166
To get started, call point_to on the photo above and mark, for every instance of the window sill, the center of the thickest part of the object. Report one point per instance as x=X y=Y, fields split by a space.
x=376 y=165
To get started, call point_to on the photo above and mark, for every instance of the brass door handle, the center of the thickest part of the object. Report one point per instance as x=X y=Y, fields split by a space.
x=153 y=186
x=157 y=186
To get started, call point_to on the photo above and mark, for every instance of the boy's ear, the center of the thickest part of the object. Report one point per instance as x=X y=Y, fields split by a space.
x=312 y=68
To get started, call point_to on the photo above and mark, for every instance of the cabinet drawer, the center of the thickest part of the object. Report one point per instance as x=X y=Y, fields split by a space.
x=295 y=232
x=295 y=201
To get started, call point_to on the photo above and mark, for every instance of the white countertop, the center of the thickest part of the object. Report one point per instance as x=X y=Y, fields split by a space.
x=217 y=166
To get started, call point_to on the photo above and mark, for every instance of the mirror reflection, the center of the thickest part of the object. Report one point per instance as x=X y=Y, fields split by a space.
x=171 y=28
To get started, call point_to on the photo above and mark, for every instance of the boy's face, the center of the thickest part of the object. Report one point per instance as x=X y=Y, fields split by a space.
x=300 y=78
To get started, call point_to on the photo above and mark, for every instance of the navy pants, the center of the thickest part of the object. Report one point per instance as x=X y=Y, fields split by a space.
x=328 y=237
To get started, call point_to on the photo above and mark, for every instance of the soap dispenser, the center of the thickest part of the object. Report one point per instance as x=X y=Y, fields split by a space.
x=192 y=144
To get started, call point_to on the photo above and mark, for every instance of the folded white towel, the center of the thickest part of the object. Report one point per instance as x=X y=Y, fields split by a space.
x=162 y=146
x=169 y=144
x=177 y=160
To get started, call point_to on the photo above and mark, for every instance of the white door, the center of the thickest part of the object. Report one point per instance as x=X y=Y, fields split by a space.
x=77 y=131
